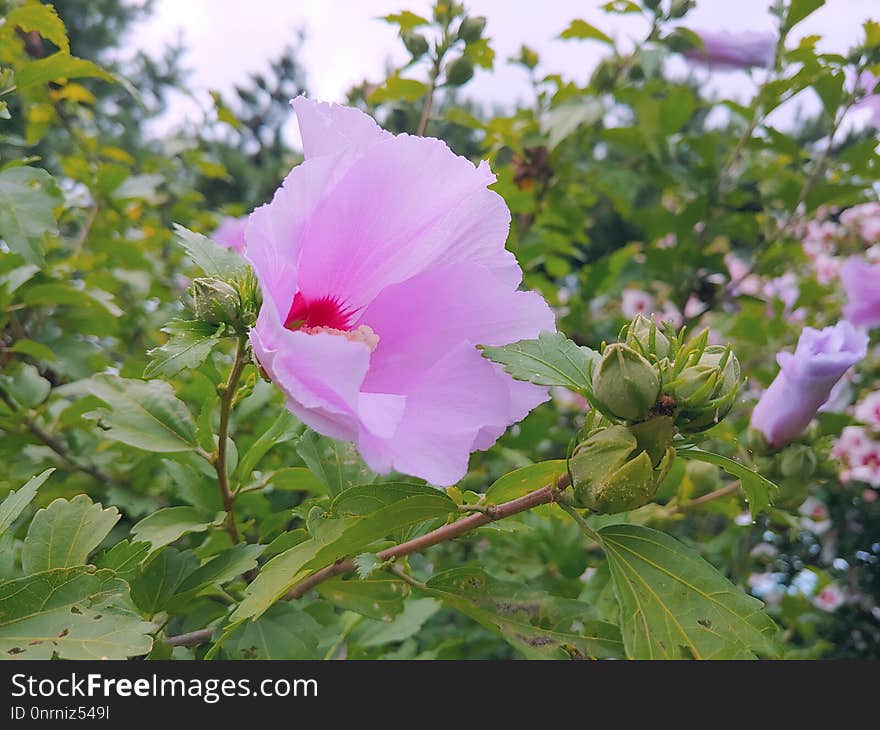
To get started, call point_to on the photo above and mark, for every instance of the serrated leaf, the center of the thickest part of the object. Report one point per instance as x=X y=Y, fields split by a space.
x=537 y=624
x=674 y=605
x=145 y=414
x=355 y=520
x=58 y=66
x=167 y=525
x=522 y=481
x=336 y=464
x=28 y=196
x=551 y=360
x=366 y=564
x=189 y=343
x=70 y=613
x=212 y=258
x=123 y=558
x=15 y=502
x=758 y=489
x=582 y=30
x=64 y=534
x=285 y=631
x=40 y=18
x=379 y=598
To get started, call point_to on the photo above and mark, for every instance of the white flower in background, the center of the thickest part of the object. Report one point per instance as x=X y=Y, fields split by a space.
x=865 y=466
x=670 y=240
x=853 y=440
x=767 y=586
x=634 y=302
x=830 y=598
x=815 y=516
x=819 y=236
x=867 y=410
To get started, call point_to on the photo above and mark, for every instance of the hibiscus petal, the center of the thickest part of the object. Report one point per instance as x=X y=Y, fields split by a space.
x=328 y=129
x=406 y=204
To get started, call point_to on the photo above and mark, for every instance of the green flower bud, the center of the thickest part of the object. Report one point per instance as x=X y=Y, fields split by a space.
x=705 y=391
x=472 y=28
x=654 y=436
x=644 y=336
x=625 y=384
x=798 y=461
x=215 y=301
x=792 y=493
x=611 y=474
x=459 y=71
x=415 y=43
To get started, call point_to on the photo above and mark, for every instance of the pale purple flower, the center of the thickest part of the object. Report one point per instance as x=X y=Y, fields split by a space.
x=805 y=380
x=230 y=233
x=861 y=281
x=827 y=268
x=725 y=50
x=382 y=265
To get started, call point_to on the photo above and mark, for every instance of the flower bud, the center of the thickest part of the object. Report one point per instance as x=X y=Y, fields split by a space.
x=625 y=384
x=792 y=493
x=415 y=43
x=472 y=28
x=798 y=461
x=705 y=477
x=705 y=391
x=459 y=71
x=215 y=301
x=644 y=336
x=610 y=474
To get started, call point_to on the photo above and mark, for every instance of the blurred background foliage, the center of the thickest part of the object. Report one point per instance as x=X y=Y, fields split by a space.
x=635 y=192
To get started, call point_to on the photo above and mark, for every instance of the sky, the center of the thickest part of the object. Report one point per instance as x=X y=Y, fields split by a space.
x=346 y=42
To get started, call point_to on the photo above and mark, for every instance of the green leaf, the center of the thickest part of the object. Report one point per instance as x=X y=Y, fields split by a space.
x=798 y=10
x=674 y=605
x=397 y=88
x=212 y=258
x=563 y=120
x=167 y=525
x=70 y=613
x=357 y=518
x=405 y=19
x=582 y=30
x=144 y=413
x=56 y=67
x=40 y=18
x=64 y=534
x=188 y=345
x=552 y=360
x=15 y=502
x=283 y=428
x=285 y=631
x=28 y=196
x=297 y=479
x=379 y=598
x=160 y=578
x=759 y=490
x=25 y=385
x=527 y=479
x=537 y=624
x=336 y=464
x=415 y=613
x=366 y=564
x=124 y=558
x=222 y=568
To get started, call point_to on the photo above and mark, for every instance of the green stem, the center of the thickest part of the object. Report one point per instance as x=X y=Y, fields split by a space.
x=582 y=523
x=218 y=460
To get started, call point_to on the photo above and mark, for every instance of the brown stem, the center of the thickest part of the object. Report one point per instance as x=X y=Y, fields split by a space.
x=545 y=495
x=193 y=638
x=711 y=496
x=227 y=393
x=429 y=101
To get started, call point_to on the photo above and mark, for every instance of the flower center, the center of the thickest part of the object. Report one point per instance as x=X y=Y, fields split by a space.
x=327 y=315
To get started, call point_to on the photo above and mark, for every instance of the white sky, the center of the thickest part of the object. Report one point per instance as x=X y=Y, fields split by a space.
x=347 y=43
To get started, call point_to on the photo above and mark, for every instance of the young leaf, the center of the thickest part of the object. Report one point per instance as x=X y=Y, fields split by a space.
x=64 y=534
x=674 y=605
x=188 y=345
x=552 y=360
x=759 y=490
x=366 y=564
x=72 y=614
x=522 y=481
x=40 y=18
x=538 y=625
x=582 y=30
x=58 y=66
x=144 y=413
x=15 y=502
x=210 y=257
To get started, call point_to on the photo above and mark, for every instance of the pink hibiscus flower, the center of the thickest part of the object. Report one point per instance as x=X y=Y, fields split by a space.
x=382 y=265
x=230 y=233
